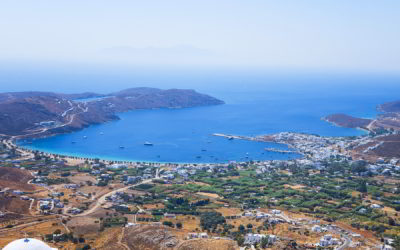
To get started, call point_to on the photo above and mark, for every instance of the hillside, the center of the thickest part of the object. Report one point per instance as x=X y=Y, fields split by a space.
x=46 y=113
x=347 y=121
x=390 y=107
x=15 y=178
x=389 y=119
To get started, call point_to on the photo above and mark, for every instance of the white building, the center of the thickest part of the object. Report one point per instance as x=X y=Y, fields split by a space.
x=327 y=240
x=276 y=211
x=248 y=214
x=386 y=247
x=252 y=239
x=203 y=235
x=193 y=235
x=362 y=210
x=28 y=244
x=262 y=215
x=316 y=229
x=375 y=206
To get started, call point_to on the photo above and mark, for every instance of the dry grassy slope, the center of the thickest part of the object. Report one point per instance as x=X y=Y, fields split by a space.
x=15 y=178
x=15 y=205
x=148 y=237
x=208 y=244
x=152 y=237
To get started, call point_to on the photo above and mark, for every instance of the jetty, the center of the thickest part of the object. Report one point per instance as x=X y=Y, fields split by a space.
x=231 y=137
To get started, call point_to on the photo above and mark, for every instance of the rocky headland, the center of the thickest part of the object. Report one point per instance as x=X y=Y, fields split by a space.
x=34 y=114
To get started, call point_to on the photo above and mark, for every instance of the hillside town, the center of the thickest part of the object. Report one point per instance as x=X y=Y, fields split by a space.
x=325 y=199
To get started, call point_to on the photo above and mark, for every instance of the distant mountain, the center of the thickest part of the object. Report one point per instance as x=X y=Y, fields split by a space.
x=46 y=113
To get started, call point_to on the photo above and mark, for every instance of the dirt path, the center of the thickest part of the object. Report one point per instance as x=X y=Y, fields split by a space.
x=102 y=200
x=121 y=238
x=21 y=226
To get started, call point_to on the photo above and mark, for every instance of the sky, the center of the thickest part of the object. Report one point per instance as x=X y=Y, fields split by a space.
x=357 y=35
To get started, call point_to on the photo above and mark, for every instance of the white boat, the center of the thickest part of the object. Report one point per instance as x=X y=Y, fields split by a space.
x=148 y=144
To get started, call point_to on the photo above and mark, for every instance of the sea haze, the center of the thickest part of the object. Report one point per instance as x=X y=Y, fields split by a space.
x=256 y=104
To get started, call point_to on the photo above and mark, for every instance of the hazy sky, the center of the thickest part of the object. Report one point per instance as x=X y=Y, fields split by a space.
x=331 y=34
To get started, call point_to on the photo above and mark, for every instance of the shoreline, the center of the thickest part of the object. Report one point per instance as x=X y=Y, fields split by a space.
x=81 y=159
x=76 y=159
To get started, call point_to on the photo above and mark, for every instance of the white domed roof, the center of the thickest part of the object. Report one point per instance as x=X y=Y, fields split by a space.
x=27 y=244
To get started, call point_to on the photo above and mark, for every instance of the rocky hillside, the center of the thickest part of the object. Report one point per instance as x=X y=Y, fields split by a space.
x=347 y=121
x=390 y=107
x=43 y=113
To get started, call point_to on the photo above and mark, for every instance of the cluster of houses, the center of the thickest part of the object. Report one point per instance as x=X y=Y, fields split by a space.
x=197 y=236
x=312 y=146
x=48 y=204
x=252 y=239
x=327 y=240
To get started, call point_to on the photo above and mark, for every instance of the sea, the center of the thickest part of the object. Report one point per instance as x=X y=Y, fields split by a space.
x=257 y=103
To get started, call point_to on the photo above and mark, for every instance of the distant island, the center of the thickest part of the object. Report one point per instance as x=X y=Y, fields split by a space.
x=34 y=114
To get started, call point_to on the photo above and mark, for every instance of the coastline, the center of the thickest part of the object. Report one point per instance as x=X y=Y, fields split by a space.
x=80 y=159
x=366 y=131
x=76 y=159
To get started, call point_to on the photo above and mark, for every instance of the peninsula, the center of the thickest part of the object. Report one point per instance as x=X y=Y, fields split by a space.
x=38 y=114
x=387 y=120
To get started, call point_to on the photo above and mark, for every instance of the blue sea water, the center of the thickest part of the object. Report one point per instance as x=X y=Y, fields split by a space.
x=256 y=104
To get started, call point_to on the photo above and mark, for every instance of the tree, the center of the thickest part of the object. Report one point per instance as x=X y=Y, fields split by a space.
x=362 y=187
x=168 y=223
x=264 y=242
x=392 y=222
x=249 y=226
x=240 y=240
x=179 y=225
x=241 y=228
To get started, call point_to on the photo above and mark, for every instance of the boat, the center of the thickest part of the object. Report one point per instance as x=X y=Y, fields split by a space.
x=73 y=142
x=204 y=150
x=231 y=138
x=148 y=144
x=101 y=133
x=85 y=137
x=121 y=147
x=198 y=157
